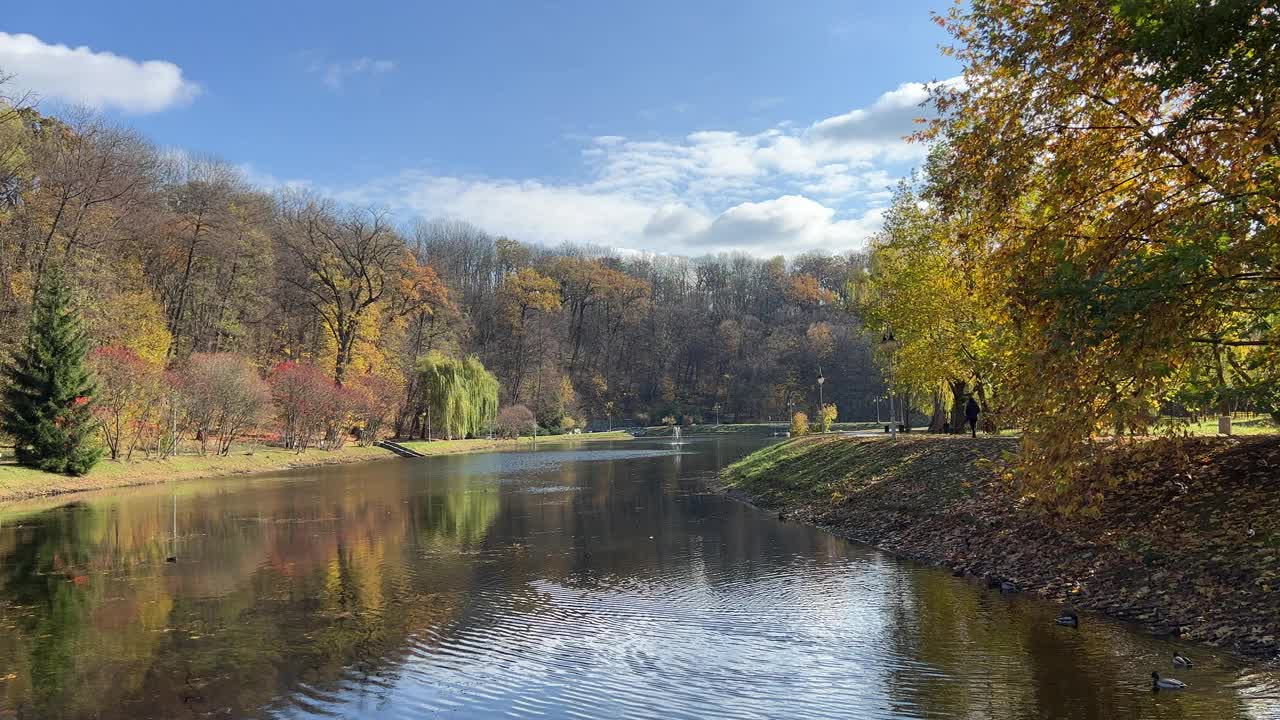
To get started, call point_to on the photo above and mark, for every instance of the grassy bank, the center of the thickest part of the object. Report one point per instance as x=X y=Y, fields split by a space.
x=21 y=483
x=17 y=483
x=1188 y=544
x=453 y=447
x=1248 y=425
x=761 y=429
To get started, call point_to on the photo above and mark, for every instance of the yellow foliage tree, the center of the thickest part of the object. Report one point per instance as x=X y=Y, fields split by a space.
x=799 y=424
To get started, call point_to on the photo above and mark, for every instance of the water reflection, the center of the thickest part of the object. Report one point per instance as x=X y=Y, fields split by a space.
x=598 y=583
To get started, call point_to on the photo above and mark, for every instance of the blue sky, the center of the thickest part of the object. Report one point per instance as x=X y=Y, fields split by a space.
x=670 y=126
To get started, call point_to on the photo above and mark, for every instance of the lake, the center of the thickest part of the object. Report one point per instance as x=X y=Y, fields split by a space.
x=599 y=581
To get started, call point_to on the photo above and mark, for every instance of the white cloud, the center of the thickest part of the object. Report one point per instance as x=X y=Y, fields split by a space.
x=779 y=191
x=890 y=117
x=336 y=74
x=265 y=180
x=97 y=79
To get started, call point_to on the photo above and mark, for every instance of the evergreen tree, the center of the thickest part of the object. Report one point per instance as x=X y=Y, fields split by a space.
x=48 y=395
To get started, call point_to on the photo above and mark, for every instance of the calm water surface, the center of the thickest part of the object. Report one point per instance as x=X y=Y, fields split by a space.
x=602 y=582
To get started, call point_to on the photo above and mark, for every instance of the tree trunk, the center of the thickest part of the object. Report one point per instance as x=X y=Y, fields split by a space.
x=939 y=418
x=959 y=396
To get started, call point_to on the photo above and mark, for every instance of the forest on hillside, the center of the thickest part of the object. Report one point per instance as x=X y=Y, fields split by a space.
x=174 y=258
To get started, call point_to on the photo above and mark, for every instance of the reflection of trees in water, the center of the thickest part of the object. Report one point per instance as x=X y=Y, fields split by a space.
x=274 y=590
x=306 y=591
x=983 y=655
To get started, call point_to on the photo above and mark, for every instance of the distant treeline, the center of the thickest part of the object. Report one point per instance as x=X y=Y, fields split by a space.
x=171 y=256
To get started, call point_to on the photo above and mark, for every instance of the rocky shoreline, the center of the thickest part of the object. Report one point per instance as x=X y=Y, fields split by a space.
x=1187 y=545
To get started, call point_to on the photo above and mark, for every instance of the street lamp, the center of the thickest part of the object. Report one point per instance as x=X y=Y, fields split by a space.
x=889 y=345
x=822 y=408
x=717 y=409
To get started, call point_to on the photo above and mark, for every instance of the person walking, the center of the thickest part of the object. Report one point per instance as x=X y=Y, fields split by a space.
x=971 y=411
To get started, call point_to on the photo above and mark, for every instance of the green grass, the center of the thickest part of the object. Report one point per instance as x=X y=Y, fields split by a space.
x=1242 y=425
x=17 y=482
x=825 y=469
x=451 y=447
x=755 y=428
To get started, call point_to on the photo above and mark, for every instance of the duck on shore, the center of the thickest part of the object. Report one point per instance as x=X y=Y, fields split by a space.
x=1159 y=683
x=1068 y=618
x=1180 y=660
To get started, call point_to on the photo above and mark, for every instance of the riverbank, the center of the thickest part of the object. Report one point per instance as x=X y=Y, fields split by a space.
x=22 y=483
x=454 y=447
x=756 y=429
x=1188 y=545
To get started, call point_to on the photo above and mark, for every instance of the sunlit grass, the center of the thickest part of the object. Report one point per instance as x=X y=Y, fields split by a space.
x=450 y=447
x=1241 y=425
x=18 y=482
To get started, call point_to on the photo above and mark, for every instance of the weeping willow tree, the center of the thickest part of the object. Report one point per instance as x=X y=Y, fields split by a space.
x=458 y=397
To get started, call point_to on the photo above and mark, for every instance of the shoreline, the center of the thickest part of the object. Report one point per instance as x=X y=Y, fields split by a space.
x=924 y=500
x=20 y=484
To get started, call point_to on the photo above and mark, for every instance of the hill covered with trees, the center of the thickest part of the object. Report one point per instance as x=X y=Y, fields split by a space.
x=185 y=274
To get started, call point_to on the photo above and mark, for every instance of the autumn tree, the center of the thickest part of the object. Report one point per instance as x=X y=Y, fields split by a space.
x=298 y=392
x=89 y=178
x=524 y=296
x=129 y=397
x=927 y=288
x=376 y=398
x=345 y=262
x=1114 y=166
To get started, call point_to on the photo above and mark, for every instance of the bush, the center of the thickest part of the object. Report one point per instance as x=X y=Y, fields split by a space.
x=799 y=424
x=224 y=397
x=514 y=421
x=829 y=413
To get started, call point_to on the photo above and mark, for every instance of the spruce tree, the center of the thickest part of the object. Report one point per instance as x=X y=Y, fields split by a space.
x=48 y=394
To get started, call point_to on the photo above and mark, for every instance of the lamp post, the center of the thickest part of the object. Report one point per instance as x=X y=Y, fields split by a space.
x=822 y=408
x=889 y=345
x=717 y=409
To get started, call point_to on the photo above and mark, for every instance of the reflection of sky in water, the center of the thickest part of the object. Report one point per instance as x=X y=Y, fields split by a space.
x=555 y=583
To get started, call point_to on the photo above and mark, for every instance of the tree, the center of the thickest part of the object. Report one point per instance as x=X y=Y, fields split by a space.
x=927 y=288
x=49 y=392
x=346 y=262
x=1113 y=168
x=130 y=390
x=299 y=392
x=376 y=397
x=458 y=396
x=523 y=296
